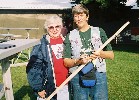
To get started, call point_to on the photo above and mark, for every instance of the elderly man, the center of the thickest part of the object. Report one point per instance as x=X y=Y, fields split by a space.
x=46 y=70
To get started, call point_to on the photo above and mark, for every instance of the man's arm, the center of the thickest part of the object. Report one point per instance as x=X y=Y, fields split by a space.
x=83 y=59
x=107 y=54
x=68 y=62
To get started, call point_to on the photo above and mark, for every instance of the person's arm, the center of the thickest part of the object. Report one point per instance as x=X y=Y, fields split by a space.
x=34 y=71
x=102 y=54
x=68 y=62
x=107 y=52
x=83 y=59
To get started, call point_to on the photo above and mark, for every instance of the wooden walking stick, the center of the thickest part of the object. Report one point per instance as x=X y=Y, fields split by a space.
x=79 y=68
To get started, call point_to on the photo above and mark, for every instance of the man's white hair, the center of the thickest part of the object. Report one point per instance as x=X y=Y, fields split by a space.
x=53 y=19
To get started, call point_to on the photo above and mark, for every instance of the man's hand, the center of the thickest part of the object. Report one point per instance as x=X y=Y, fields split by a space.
x=84 y=59
x=94 y=55
x=42 y=94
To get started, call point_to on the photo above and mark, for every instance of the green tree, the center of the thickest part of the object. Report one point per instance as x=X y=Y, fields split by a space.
x=103 y=3
x=138 y=2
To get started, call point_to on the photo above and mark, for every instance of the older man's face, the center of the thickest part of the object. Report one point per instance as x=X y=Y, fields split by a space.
x=54 y=30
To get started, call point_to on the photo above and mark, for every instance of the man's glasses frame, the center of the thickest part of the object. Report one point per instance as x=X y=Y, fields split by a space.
x=57 y=27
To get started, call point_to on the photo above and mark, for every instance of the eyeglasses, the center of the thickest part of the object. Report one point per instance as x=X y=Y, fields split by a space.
x=54 y=27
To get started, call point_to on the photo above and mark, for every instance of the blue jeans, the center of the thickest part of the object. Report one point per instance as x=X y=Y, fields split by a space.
x=97 y=92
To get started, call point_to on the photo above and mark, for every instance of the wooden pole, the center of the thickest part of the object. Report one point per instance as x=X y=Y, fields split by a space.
x=75 y=72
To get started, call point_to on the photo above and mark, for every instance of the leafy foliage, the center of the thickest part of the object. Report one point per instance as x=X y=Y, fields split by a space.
x=103 y=3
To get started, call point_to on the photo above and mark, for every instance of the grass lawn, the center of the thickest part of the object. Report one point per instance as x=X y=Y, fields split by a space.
x=123 y=76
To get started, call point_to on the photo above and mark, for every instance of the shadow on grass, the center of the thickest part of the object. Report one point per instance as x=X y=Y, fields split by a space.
x=133 y=48
x=23 y=91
